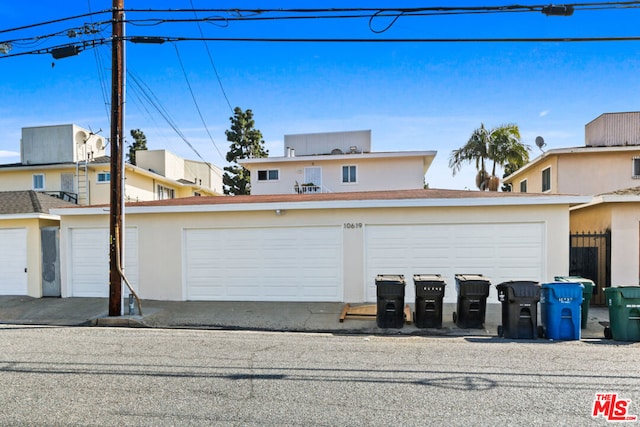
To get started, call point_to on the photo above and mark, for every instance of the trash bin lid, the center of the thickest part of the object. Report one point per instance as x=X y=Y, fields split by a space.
x=521 y=288
x=427 y=278
x=586 y=282
x=471 y=277
x=564 y=289
x=627 y=292
x=390 y=278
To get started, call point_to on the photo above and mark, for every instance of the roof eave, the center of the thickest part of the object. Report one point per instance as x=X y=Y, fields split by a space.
x=336 y=204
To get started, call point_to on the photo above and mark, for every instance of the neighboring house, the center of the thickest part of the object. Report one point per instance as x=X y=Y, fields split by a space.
x=336 y=162
x=605 y=233
x=318 y=247
x=29 y=254
x=71 y=163
x=618 y=214
x=609 y=161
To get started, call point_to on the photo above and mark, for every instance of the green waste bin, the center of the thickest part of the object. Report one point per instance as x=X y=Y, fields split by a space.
x=624 y=313
x=587 y=293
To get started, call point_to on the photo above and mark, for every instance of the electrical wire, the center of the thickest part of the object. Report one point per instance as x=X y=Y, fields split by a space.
x=142 y=101
x=101 y=75
x=54 y=21
x=69 y=32
x=499 y=8
x=213 y=66
x=153 y=100
x=398 y=40
x=195 y=101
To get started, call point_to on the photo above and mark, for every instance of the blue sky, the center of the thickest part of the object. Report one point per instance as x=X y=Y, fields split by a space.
x=413 y=96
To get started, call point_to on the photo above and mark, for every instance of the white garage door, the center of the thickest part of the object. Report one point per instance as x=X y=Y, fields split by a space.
x=502 y=252
x=89 y=262
x=277 y=264
x=13 y=261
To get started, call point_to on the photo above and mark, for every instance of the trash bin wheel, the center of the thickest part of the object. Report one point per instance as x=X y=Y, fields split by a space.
x=607 y=333
x=500 y=331
x=540 y=331
x=455 y=317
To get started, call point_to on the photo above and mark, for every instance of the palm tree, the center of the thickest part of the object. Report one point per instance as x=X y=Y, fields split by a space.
x=475 y=150
x=501 y=145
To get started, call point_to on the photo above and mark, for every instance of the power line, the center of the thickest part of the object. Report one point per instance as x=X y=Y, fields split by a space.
x=159 y=39
x=155 y=102
x=213 y=66
x=162 y=39
x=193 y=97
x=499 y=8
x=55 y=21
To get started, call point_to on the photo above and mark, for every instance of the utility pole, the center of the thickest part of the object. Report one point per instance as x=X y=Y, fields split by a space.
x=115 y=207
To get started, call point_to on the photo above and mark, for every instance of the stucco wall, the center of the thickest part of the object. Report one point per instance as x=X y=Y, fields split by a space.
x=596 y=173
x=533 y=176
x=582 y=173
x=160 y=237
x=18 y=180
x=625 y=234
x=402 y=173
x=593 y=219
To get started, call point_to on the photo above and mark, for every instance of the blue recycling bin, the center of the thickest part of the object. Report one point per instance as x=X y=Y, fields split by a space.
x=561 y=310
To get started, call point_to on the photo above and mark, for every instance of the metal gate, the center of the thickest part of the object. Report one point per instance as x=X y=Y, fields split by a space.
x=590 y=257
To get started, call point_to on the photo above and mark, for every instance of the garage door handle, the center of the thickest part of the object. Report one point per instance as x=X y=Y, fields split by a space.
x=25 y=269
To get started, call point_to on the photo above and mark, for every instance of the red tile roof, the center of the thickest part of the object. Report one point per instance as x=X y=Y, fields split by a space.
x=317 y=197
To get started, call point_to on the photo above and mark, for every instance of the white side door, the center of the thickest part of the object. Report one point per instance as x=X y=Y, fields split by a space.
x=13 y=261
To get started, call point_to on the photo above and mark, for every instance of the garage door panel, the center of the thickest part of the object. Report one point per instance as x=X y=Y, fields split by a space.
x=278 y=264
x=89 y=263
x=499 y=251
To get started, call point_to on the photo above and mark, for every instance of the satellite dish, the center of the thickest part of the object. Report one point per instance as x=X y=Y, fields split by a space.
x=100 y=144
x=540 y=142
x=81 y=137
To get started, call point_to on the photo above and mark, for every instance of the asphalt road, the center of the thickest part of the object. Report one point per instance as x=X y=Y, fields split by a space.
x=156 y=377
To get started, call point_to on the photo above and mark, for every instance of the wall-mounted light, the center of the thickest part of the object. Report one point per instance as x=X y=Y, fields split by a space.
x=279 y=212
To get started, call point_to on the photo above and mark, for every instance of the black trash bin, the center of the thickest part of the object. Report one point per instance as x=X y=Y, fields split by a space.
x=471 y=308
x=429 y=295
x=390 y=293
x=519 y=309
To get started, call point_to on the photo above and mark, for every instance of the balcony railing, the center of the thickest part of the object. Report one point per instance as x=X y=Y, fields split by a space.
x=64 y=195
x=309 y=189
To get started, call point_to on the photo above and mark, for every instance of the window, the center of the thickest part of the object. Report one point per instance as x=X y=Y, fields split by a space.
x=269 y=175
x=636 y=168
x=523 y=186
x=165 y=193
x=38 y=181
x=104 y=177
x=546 y=179
x=348 y=174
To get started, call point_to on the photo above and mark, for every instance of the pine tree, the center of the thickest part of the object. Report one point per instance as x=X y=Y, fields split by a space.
x=246 y=143
x=139 y=143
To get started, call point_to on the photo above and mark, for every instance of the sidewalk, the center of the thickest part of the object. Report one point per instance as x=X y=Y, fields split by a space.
x=266 y=316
